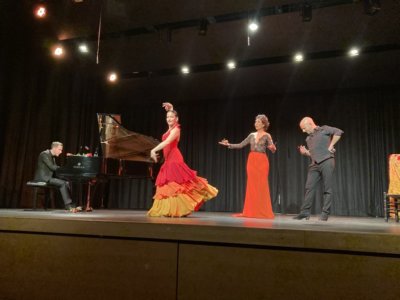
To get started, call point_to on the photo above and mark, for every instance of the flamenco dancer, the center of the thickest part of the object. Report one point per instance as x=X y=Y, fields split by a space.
x=179 y=191
x=257 y=203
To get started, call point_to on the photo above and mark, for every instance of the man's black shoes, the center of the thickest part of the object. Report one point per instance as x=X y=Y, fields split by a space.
x=324 y=217
x=302 y=216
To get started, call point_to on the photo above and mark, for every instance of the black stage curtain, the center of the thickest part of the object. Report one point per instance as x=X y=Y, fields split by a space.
x=368 y=119
x=64 y=109
x=42 y=101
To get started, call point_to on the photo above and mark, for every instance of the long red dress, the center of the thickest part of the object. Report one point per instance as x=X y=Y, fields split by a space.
x=179 y=191
x=257 y=203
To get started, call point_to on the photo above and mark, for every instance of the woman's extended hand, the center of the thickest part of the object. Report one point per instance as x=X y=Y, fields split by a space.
x=168 y=106
x=224 y=142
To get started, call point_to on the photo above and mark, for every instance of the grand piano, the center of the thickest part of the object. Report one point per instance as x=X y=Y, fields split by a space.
x=125 y=154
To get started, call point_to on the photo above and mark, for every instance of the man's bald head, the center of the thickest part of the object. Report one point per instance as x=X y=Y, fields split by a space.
x=307 y=125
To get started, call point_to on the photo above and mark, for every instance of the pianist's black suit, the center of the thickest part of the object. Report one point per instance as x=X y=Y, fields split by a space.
x=46 y=167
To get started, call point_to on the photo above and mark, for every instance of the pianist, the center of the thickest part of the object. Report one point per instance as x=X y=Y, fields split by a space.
x=46 y=167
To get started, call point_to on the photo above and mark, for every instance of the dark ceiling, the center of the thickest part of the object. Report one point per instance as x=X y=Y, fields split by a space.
x=150 y=37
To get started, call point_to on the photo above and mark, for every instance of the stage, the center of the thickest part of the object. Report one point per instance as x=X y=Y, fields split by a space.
x=124 y=254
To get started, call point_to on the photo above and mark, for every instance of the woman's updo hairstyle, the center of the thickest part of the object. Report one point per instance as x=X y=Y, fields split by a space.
x=264 y=120
x=174 y=112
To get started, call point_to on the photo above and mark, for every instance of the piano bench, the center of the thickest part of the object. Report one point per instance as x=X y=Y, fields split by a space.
x=41 y=186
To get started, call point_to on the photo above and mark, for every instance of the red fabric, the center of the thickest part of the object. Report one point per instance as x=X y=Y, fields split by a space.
x=174 y=168
x=179 y=190
x=257 y=203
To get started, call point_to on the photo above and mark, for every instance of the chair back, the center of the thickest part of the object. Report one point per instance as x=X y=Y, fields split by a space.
x=394 y=174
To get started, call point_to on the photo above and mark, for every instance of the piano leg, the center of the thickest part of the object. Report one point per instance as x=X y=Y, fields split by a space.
x=88 y=196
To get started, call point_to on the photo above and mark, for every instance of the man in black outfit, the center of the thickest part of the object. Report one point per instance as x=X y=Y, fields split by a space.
x=46 y=167
x=320 y=142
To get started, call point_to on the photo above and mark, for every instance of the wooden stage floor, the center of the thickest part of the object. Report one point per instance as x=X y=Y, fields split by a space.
x=123 y=254
x=353 y=234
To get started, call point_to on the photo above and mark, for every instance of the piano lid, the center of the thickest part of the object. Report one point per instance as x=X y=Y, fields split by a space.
x=120 y=143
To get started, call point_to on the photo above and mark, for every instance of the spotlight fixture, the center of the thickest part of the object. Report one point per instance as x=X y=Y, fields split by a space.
x=112 y=77
x=231 y=65
x=354 y=52
x=203 y=26
x=306 y=12
x=83 y=48
x=185 y=70
x=40 y=12
x=298 y=57
x=253 y=26
x=58 y=51
x=372 y=7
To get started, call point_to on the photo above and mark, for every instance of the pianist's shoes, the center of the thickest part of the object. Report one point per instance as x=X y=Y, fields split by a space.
x=71 y=208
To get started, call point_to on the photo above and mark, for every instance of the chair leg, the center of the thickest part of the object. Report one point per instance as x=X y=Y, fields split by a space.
x=46 y=199
x=385 y=207
x=34 y=199
x=396 y=209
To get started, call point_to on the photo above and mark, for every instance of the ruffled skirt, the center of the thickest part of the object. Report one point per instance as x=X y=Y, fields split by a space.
x=179 y=200
x=179 y=191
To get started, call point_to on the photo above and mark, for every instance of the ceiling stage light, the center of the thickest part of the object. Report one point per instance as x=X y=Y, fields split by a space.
x=231 y=65
x=354 y=52
x=185 y=70
x=298 y=57
x=83 y=48
x=40 y=11
x=112 y=77
x=58 y=51
x=253 y=26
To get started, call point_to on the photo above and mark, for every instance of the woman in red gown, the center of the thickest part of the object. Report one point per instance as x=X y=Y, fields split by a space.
x=257 y=203
x=179 y=191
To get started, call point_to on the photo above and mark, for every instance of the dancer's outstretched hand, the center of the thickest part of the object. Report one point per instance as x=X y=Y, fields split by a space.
x=168 y=106
x=224 y=142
